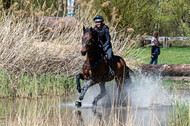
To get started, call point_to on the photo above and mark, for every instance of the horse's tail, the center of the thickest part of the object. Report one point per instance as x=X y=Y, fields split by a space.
x=128 y=73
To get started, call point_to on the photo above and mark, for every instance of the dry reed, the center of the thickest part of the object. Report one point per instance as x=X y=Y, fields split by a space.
x=49 y=111
x=37 y=44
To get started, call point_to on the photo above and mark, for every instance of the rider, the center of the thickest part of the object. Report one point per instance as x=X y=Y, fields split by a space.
x=104 y=37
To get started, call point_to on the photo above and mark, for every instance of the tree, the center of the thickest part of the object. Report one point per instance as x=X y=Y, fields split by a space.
x=173 y=17
x=138 y=14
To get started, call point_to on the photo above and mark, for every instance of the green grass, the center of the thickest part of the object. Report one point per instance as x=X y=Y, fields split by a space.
x=180 y=115
x=169 y=83
x=27 y=85
x=172 y=55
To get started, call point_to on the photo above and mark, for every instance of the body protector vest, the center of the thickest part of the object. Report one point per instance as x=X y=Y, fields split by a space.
x=102 y=35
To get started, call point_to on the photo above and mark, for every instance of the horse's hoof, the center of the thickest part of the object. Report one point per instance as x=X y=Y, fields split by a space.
x=78 y=104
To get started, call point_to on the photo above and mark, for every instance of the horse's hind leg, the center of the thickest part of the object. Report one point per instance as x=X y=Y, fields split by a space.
x=102 y=93
x=120 y=83
x=120 y=87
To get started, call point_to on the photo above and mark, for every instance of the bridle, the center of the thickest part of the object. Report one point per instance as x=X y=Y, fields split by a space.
x=92 y=42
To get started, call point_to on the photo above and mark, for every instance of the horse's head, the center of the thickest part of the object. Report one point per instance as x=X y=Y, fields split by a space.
x=89 y=39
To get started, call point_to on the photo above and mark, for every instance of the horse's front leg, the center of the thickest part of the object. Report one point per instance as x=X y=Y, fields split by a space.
x=78 y=77
x=85 y=88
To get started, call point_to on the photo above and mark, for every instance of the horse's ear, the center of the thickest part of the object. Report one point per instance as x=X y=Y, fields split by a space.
x=94 y=31
x=84 y=29
x=91 y=29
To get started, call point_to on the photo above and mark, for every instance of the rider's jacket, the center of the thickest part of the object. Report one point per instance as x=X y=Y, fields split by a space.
x=104 y=35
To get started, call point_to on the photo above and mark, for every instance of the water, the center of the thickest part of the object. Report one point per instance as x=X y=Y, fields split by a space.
x=148 y=90
x=145 y=103
x=148 y=103
x=151 y=116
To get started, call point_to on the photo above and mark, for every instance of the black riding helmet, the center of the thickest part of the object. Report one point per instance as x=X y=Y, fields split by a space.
x=99 y=18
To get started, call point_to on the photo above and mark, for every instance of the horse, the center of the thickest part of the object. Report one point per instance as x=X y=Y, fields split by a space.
x=95 y=67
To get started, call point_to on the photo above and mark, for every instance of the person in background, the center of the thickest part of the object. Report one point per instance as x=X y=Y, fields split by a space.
x=155 y=50
x=70 y=7
x=105 y=38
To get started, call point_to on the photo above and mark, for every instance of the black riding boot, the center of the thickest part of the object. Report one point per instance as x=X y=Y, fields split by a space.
x=111 y=72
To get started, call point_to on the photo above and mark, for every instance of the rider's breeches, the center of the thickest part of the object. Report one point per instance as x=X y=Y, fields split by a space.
x=109 y=53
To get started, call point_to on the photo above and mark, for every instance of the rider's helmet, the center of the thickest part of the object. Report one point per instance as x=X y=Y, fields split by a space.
x=99 y=18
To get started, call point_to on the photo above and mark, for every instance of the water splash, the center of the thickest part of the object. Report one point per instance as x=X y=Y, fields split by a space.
x=144 y=91
x=95 y=90
x=148 y=90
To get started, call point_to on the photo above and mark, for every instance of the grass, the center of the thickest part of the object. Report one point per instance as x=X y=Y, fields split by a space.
x=169 y=83
x=181 y=109
x=180 y=115
x=171 y=55
x=32 y=86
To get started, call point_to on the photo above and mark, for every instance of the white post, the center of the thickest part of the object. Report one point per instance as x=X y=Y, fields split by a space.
x=165 y=43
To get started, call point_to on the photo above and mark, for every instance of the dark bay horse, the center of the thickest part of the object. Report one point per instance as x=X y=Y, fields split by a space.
x=95 y=67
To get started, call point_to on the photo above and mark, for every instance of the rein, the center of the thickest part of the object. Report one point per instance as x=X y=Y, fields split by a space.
x=98 y=48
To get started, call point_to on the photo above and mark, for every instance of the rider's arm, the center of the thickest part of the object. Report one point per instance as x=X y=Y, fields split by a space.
x=107 y=37
x=155 y=43
x=159 y=43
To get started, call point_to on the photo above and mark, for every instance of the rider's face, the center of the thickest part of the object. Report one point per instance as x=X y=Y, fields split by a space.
x=98 y=24
x=156 y=35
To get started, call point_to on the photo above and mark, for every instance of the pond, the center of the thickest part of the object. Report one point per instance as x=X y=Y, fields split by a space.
x=145 y=104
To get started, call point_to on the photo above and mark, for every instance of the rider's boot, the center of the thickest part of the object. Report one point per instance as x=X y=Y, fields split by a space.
x=111 y=72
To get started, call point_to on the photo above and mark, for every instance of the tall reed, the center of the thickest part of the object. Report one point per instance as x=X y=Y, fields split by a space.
x=180 y=115
x=35 y=86
x=50 y=111
x=36 y=49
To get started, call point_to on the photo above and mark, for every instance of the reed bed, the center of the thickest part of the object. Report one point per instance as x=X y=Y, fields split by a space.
x=36 y=44
x=180 y=114
x=35 y=86
x=50 y=111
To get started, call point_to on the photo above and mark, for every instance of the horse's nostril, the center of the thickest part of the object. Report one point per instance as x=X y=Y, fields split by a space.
x=83 y=53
